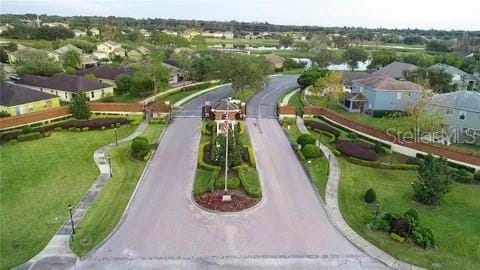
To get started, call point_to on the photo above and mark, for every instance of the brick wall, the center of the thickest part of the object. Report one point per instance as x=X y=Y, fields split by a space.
x=286 y=110
x=115 y=107
x=35 y=117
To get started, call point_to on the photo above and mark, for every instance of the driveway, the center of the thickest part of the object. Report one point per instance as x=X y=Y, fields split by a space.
x=289 y=229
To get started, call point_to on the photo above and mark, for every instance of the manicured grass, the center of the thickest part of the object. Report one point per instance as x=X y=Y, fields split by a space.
x=246 y=94
x=455 y=222
x=38 y=180
x=202 y=181
x=290 y=126
x=398 y=124
x=106 y=211
x=318 y=172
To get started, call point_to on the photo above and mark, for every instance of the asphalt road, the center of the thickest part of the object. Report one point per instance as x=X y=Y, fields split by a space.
x=289 y=229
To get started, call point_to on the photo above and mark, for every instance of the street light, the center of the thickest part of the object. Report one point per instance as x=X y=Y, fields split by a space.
x=110 y=164
x=116 y=137
x=71 y=218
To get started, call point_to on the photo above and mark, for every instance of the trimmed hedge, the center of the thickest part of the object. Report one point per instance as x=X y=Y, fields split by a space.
x=250 y=182
x=462 y=176
x=322 y=126
x=359 y=150
x=251 y=156
x=310 y=151
x=158 y=121
x=382 y=165
x=29 y=136
x=232 y=183
x=140 y=147
x=201 y=162
x=305 y=139
x=370 y=196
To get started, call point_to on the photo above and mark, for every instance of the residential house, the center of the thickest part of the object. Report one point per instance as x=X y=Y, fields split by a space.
x=140 y=52
x=218 y=34
x=87 y=61
x=67 y=86
x=17 y=99
x=59 y=54
x=460 y=112
x=111 y=48
x=395 y=70
x=348 y=77
x=382 y=93
x=462 y=79
x=175 y=74
x=106 y=73
x=144 y=32
x=169 y=32
x=94 y=31
x=276 y=60
x=56 y=24
x=79 y=33
x=223 y=110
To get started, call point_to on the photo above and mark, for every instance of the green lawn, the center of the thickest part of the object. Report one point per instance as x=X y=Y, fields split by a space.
x=401 y=124
x=39 y=179
x=455 y=222
x=105 y=212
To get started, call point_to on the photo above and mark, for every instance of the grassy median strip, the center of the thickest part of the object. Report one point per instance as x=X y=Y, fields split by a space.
x=106 y=211
x=39 y=179
x=455 y=222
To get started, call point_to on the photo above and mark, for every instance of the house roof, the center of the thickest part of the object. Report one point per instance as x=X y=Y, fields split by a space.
x=108 y=72
x=450 y=69
x=12 y=95
x=65 y=82
x=64 y=49
x=274 y=59
x=383 y=82
x=348 y=76
x=395 y=69
x=355 y=97
x=171 y=67
x=224 y=104
x=462 y=100
x=112 y=43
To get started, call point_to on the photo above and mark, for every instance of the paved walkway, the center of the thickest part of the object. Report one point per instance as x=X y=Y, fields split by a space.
x=333 y=210
x=57 y=253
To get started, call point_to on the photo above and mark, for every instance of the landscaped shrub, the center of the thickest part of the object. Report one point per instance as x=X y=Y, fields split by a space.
x=378 y=148
x=305 y=139
x=250 y=182
x=29 y=137
x=477 y=176
x=423 y=237
x=157 y=121
x=381 y=225
x=352 y=136
x=232 y=183
x=397 y=237
x=251 y=156
x=310 y=151
x=140 y=147
x=321 y=126
x=201 y=159
x=412 y=215
x=382 y=165
x=359 y=150
x=462 y=176
x=27 y=129
x=370 y=196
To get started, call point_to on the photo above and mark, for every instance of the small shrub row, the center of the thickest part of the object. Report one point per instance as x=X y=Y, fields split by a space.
x=250 y=182
x=251 y=156
x=321 y=126
x=382 y=165
x=140 y=147
x=232 y=183
x=201 y=159
x=29 y=136
x=158 y=121
x=359 y=150
x=305 y=139
x=310 y=151
x=462 y=176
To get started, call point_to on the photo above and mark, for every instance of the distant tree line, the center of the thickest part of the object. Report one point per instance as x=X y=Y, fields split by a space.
x=21 y=31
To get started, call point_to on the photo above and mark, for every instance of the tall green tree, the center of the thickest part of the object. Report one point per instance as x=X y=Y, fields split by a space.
x=309 y=77
x=382 y=58
x=438 y=80
x=71 y=60
x=437 y=46
x=354 y=55
x=286 y=41
x=433 y=180
x=36 y=63
x=79 y=107
x=199 y=42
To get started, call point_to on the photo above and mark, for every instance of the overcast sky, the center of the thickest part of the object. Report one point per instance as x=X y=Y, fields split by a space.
x=424 y=14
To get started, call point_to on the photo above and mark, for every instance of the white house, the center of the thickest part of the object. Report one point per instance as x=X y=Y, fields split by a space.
x=79 y=33
x=67 y=86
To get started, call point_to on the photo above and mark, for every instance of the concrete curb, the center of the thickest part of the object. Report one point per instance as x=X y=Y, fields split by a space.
x=335 y=216
x=127 y=207
x=59 y=245
x=287 y=98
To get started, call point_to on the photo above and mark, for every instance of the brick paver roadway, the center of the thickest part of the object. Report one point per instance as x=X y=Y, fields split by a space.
x=289 y=229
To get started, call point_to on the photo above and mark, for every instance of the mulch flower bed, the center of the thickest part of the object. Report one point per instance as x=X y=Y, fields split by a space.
x=213 y=201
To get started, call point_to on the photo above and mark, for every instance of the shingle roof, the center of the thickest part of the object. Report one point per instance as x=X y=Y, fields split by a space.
x=348 y=76
x=108 y=72
x=463 y=100
x=450 y=69
x=69 y=83
x=383 y=82
x=64 y=49
x=395 y=69
x=12 y=94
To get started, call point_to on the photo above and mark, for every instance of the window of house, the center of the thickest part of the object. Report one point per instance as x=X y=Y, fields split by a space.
x=462 y=116
x=399 y=95
x=66 y=95
x=449 y=111
x=41 y=89
x=92 y=94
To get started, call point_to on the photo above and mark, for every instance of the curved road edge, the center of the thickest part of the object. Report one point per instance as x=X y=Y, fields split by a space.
x=333 y=210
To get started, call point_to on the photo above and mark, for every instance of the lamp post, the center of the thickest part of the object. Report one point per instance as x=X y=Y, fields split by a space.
x=116 y=137
x=110 y=164
x=71 y=219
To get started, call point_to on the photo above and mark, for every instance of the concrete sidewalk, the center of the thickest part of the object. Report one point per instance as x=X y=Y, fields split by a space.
x=333 y=210
x=57 y=253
